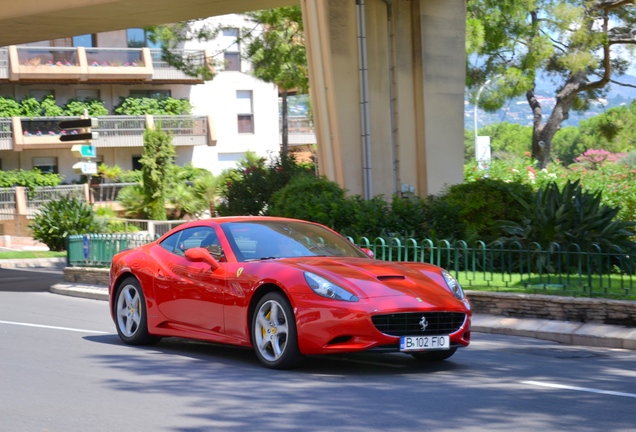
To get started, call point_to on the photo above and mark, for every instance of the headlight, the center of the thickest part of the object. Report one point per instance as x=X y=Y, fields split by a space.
x=325 y=288
x=453 y=285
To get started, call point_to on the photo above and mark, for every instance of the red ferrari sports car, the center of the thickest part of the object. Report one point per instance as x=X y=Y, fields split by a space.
x=287 y=288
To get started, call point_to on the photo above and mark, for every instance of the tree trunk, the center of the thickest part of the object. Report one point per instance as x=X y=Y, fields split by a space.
x=285 y=131
x=543 y=133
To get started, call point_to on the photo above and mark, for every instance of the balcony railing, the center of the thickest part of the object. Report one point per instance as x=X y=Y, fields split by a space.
x=47 y=56
x=4 y=63
x=82 y=64
x=185 y=130
x=120 y=131
x=7 y=203
x=161 y=70
x=6 y=141
x=107 y=192
x=114 y=131
x=300 y=129
x=41 y=195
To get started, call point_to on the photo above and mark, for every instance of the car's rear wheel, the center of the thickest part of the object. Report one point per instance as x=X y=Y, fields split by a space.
x=434 y=355
x=274 y=332
x=130 y=314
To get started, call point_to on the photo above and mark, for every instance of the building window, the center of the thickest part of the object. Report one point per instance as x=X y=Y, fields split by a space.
x=136 y=165
x=47 y=165
x=41 y=94
x=154 y=94
x=139 y=38
x=231 y=49
x=86 y=40
x=244 y=111
x=83 y=94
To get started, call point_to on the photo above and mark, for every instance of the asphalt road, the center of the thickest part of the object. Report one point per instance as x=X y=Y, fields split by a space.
x=62 y=368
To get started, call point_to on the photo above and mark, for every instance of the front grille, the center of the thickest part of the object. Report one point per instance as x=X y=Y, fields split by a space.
x=408 y=324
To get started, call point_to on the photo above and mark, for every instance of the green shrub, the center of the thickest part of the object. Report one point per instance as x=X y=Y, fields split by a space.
x=49 y=108
x=30 y=107
x=9 y=107
x=131 y=199
x=441 y=221
x=132 y=176
x=29 y=179
x=248 y=188
x=481 y=204
x=369 y=218
x=156 y=159
x=63 y=217
x=309 y=198
x=76 y=107
x=153 y=106
x=570 y=215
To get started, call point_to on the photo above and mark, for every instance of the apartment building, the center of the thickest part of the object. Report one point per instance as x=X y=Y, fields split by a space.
x=232 y=114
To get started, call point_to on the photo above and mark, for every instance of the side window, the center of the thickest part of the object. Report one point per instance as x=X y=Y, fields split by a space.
x=169 y=243
x=191 y=238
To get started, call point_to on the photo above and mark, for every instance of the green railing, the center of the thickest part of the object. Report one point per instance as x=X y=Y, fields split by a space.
x=98 y=250
x=556 y=270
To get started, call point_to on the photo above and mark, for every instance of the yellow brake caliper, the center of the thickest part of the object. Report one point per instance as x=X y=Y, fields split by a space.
x=267 y=316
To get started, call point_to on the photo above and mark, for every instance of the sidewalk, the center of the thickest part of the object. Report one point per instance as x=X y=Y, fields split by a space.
x=569 y=333
x=58 y=263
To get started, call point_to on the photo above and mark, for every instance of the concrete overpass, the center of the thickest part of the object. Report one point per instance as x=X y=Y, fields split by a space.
x=387 y=77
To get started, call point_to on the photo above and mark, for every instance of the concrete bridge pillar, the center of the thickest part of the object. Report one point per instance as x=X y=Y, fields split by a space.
x=387 y=80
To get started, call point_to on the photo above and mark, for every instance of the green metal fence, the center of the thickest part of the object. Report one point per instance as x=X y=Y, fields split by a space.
x=98 y=250
x=556 y=270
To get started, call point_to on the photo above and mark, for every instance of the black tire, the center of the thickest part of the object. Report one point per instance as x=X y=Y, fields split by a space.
x=434 y=356
x=130 y=314
x=273 y=332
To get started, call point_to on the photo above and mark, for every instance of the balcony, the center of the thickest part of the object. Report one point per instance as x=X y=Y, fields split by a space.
x=92 y=65
x=300 y=131
x=163 y=72
x=114 y=131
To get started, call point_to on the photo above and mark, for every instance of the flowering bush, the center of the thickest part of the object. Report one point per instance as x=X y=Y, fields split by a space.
x=597 y=172
x=594 y=158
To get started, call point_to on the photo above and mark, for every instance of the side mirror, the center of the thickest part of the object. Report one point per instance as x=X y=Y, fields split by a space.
x=200 y=254
x=368 y=252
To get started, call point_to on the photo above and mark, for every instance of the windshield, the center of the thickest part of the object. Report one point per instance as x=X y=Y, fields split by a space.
x=258 y=240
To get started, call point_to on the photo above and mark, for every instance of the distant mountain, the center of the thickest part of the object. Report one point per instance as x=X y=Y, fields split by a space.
x=517 y=110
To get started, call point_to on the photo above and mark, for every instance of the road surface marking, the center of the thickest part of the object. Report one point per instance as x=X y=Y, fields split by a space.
x=582 y=389
x=53 y=327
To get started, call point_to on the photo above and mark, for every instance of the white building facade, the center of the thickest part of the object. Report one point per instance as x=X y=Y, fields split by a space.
x=232 y=114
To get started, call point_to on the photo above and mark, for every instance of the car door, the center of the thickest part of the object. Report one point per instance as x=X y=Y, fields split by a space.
x=189 y=292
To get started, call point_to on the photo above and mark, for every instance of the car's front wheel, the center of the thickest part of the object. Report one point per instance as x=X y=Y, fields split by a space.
x=434 y=355
x=130 y=314
x=274 y=332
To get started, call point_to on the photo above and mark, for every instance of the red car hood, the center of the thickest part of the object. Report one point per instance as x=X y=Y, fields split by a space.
x=375 y=278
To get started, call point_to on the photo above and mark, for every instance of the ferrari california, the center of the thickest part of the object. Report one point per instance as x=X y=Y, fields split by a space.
x=286 y=288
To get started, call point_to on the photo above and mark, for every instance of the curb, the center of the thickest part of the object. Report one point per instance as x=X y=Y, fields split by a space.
x=78 y=290
x=565 y=332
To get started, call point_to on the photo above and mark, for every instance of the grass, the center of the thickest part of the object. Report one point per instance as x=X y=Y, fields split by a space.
x=614 y=286
x=31 y=254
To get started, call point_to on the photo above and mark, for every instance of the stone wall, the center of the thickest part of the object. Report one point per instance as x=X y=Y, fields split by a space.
x=86 y=275
x=577 y=309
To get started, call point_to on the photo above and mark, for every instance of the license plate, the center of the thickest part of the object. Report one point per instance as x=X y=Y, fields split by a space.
x=424 y=343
